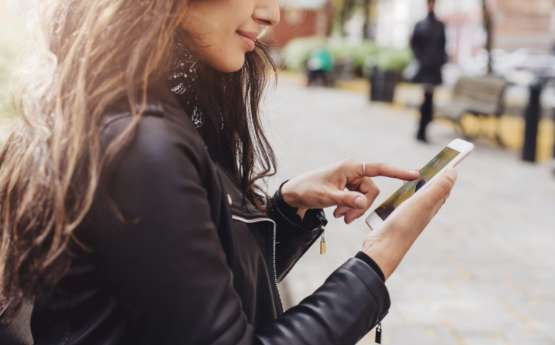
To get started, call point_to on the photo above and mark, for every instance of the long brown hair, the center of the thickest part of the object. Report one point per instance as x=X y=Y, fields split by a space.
x=97 y=52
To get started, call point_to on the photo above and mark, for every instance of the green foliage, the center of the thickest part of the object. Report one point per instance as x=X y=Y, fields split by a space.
x=297 y=51
x=388 y=59
x=356 y=53
x=363 y=55
x=362 y=51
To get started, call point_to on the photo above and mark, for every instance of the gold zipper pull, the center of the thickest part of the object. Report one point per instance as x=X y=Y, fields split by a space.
x=378 y=338
x=323 y=245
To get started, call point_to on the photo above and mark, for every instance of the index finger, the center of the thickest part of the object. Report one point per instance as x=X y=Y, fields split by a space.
x=373 y=170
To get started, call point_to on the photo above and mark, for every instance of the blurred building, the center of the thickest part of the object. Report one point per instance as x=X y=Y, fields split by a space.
x=302 y=18
x=523 y=24
x=518 y=24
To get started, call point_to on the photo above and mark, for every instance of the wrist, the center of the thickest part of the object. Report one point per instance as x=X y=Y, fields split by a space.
x=371 y=263
x=289 y=194
x=286 y=208
x=290 y=197
x=306 y=217
x=383 y=252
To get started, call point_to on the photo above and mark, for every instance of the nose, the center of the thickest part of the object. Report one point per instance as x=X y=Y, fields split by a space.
x=267 y=12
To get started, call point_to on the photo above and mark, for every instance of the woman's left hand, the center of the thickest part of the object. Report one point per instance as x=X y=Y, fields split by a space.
x=347 y=185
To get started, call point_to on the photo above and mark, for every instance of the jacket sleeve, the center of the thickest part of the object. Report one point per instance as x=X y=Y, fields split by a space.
x=168 y=268
x=293 y=236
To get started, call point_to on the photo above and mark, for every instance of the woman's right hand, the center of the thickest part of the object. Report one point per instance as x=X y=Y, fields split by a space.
x=391 y=242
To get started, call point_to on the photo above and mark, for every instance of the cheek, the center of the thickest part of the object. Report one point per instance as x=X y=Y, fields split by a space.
x=227 y=57
x=220 y=49
x=213 y=24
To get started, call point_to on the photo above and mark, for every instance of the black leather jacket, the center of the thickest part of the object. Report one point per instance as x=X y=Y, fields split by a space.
x=192 y=264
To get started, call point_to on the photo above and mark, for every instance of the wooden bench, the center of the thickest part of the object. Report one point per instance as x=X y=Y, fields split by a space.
x=476 y=96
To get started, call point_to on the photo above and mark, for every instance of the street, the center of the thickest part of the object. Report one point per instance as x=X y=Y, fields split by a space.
x=483 y=271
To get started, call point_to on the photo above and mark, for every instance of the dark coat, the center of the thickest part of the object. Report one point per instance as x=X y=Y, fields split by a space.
x=428 y=44
x=194 y=265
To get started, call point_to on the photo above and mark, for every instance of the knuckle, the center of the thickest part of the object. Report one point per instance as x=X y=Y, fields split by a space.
x=429 y=204
x=444 y=186
x=367 y=186
x=347 y=163
x=350 y=162
x=450 y=180
x=345 y=200
x=379 y=167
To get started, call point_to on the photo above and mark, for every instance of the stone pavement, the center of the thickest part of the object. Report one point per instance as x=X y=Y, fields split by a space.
x=483 y=273
x=510 y=125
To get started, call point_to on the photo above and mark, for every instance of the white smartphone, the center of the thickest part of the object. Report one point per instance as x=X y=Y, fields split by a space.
x=449 y=157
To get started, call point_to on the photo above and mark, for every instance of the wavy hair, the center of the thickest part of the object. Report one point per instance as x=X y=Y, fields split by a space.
x=95 y=53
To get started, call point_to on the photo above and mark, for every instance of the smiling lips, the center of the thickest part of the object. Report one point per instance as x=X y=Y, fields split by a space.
x=249 y=38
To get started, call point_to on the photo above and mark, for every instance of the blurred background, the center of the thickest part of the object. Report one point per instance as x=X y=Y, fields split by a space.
x=484 y=271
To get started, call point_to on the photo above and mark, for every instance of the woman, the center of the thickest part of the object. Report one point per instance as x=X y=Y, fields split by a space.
x=130 y=208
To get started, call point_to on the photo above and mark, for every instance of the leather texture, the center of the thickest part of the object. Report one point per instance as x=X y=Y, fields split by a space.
x=176 y=257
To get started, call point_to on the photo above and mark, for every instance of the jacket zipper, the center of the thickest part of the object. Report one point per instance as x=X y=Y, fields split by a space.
x=274 y=234
x=378 y=338
x=378 y=335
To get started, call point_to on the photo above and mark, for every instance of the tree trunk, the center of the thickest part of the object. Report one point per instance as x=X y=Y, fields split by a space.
x=366 y=25
x=488 y=28
x=343 y=15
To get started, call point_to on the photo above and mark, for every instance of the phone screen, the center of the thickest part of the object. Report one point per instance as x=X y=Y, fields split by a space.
x=409 y=188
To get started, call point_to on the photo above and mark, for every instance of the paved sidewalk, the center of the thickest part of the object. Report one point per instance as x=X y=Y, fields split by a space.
x=482 y=273
x=408 y=95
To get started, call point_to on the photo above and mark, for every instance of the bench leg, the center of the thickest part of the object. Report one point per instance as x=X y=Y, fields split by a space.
x=498 y=138
x=460 y=128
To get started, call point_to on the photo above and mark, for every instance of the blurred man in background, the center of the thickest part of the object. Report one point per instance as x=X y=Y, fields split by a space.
x=428 y=44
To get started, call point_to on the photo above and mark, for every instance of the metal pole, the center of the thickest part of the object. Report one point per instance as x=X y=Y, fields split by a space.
x=532 y=119
x=553 y=161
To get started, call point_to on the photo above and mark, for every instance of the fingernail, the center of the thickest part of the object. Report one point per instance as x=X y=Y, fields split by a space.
x=360 y=202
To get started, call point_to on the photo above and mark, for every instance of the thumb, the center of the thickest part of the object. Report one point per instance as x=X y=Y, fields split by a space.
x=350 y=199
x=435 y=195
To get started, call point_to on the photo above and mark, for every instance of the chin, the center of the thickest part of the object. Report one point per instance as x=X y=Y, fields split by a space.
x=230 y=64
